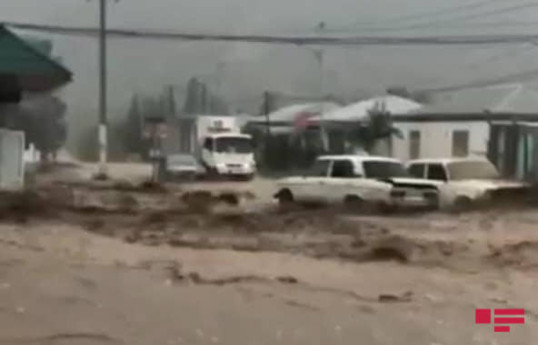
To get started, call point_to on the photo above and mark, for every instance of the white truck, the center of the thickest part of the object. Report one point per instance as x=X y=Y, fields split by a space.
x=219 y=146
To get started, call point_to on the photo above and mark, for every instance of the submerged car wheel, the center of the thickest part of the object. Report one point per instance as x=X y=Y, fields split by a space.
x=462 y=203
x=285 y=198
x=353 y=203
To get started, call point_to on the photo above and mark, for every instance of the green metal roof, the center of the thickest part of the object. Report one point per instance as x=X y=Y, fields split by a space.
x=35 y=71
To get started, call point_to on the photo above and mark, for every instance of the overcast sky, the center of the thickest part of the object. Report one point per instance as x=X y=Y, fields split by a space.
x=147 y=66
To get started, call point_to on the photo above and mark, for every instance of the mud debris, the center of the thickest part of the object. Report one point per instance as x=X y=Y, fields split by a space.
x=389 y=298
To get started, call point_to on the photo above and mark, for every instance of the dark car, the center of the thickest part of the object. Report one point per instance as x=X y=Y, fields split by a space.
x=183 y=167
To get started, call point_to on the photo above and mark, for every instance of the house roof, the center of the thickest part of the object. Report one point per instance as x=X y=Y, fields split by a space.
x=500 y=99
x=291 y=113
x=359 y=111
x=34 y=71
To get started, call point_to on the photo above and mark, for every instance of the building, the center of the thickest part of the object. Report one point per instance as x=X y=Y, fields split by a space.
x=285 y=120
x=495 y=122
x=340 y=123
x=23 y=69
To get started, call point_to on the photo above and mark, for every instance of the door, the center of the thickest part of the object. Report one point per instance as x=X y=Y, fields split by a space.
x=437 y=172
x=460 y=143
x=414 y=144
x=208 y=159
x=340 y=183
x=309 y=187
x=417 y=170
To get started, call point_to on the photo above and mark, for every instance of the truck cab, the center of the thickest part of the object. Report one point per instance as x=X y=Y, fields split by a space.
x=229 y=154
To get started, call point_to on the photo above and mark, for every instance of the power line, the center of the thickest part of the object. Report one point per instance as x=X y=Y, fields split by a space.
x=429 y=14
x=464 y=17
x=289 y=40
x=491 y=24
x=477 y=64
x=509 y=78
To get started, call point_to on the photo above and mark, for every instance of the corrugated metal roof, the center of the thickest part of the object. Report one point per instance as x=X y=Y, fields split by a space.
x=501 y=99
x=35 y=71
x=290 y=113
x=359 y=111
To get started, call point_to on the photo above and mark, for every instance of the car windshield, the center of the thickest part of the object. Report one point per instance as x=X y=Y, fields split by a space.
x=472 y=170
x=380 y=169
x=181 y=160
x=234 y=145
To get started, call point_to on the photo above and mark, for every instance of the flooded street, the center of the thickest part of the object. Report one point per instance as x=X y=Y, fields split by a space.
x=312 y=277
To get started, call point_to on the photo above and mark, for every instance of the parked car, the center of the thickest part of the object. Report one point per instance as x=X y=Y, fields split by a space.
x=184 y=167
x=464 y=182
x=357 y=181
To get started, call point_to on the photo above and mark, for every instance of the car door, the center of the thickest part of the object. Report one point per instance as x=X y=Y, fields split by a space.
x=417 y=170
x=436 y=172
x=310 y=186
x=340 y=182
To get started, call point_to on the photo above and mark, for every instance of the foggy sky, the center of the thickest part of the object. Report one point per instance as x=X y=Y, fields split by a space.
x=249 y=69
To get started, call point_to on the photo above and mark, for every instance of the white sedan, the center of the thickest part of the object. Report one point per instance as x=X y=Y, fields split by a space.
x=357 y=180
x=464 y=182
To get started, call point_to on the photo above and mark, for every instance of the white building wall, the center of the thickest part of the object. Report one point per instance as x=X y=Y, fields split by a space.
x=436 y=138
x=11 y=160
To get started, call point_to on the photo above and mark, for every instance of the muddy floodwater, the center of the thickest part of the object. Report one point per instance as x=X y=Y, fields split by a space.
x=82 y=263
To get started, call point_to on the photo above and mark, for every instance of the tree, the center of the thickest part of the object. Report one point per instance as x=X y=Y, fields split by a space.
x=200 y=100
x=134 y=128
x=193 y=100
x=378 y=126
x=42 y=119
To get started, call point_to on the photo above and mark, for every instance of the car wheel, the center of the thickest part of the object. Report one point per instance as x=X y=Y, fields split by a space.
x=212 y=174
x=462 y=203
x=248 y=178
x=353 y=203
x=285 y=198
x=385 y=208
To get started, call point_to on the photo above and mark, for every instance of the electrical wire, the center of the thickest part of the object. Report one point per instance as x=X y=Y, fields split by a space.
x=289 y=40
x=509 y=78
x=464 y=17
x=429 y=14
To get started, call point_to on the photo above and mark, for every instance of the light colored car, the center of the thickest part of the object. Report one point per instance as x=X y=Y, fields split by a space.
x=183 y=166
x=357 y=180
x=463 y=182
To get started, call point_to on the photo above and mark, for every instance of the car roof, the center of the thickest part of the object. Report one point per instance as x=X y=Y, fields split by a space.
x=230 y=135
x=445 y=161
x=181 y=156
x=360 y=158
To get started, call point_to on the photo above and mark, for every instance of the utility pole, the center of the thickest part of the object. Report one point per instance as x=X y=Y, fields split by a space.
x=102 y=135
x=267 y=102
x=103 y=130
x=319 y=54
x=218 y=78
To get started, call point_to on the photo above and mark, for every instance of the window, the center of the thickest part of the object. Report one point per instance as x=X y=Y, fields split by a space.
x=480 y=169
x=208 y=144
x=234 y=145
x=417 y=170
x=319 y=169
x=343 y=169
x=437 y=172
x=380 y=169
x=414 y=144
x=460 y=143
